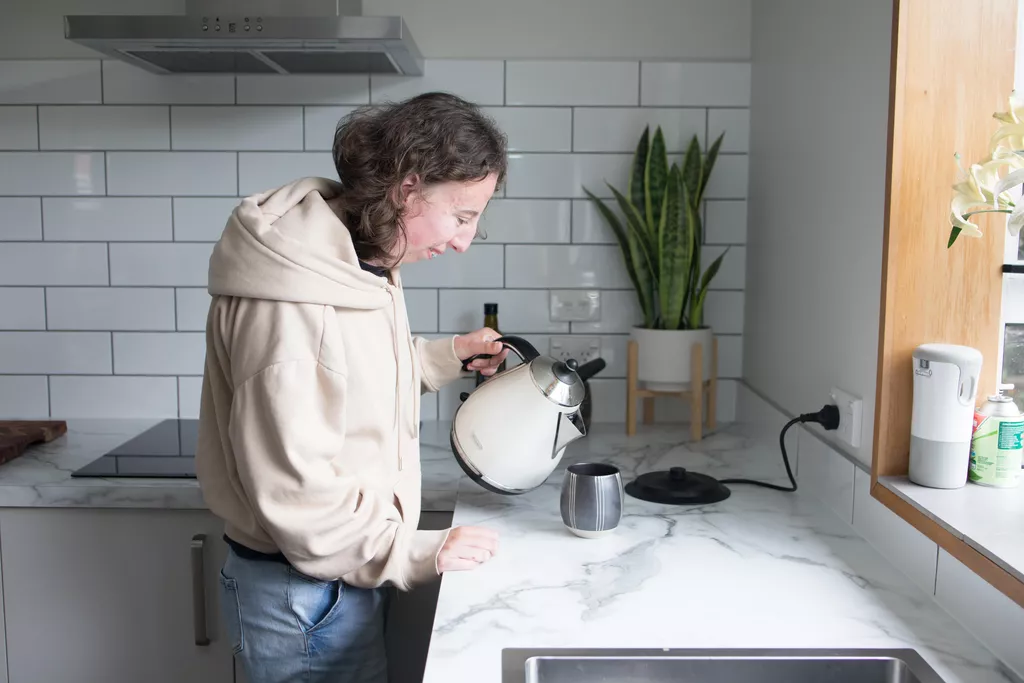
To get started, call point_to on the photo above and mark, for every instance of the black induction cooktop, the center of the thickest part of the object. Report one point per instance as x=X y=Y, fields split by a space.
x=165 y=451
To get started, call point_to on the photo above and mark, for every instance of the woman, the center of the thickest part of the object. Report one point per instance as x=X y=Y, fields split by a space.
x=309 y=424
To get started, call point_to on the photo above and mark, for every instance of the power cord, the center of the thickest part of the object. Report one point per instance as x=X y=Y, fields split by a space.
x=827 y=417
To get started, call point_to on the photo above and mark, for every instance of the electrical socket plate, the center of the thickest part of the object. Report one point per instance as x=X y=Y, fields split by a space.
x=850 y=415
x=582 y=349
x=575 y=305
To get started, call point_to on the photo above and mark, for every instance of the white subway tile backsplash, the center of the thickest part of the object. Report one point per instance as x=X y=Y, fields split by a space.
x=235 y=128
x=673 y=84
x=428 y=407
x=619 y=129
x=21 y=218
x=51 y=173
x=303 y=89
x=723 y=312
x=725 y=222
x=190 y=394
x=22 y=308
x=519 y=311
x=730 y=357
x=481 y=82
x=826 y=475
x=564 y=266
x=53 y=264
x=201 y=219
x=18 y=130
x=106 y=219
x=50 y=81
x=912 y=552
x=535 y=129
x=159 y=353
x=24 y=397
x=103 y=127
x=482 y=266
x=162 y=265
x=124 y=397
x=565 y=175
x=127 y=84
x=422 y=307
x=735 y=124
x=620 y=312
x=172 y=173
x=109 y=308
x=320 y=124
x=733 y=271
x=261 y=171
x=572 y=83
x=132 y=266
x=609 y=397
x=589 y=225
x=37 y=353
x=728 y=178
x=531 y=221
x=191 y=308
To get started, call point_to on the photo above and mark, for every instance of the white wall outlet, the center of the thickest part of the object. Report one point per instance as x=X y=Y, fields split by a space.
x=850 y=416
x=582 y=349
x=575 y=305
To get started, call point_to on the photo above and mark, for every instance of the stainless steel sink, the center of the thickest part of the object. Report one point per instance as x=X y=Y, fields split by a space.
x=715 y=666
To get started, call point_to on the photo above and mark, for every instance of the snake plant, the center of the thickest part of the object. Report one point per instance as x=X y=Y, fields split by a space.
x=660 y=231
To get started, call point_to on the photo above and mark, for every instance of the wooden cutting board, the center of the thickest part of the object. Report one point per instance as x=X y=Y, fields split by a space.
x=17 y=435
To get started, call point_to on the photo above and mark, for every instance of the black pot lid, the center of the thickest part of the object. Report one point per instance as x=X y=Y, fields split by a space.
x=677 y=486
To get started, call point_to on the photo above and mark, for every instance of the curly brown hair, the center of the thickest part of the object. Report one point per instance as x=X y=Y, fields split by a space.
x=436 y=137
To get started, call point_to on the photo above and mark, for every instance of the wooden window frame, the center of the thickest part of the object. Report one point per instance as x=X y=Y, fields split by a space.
x=952 y=68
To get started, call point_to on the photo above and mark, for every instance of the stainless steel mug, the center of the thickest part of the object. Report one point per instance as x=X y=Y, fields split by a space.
x=591 y=500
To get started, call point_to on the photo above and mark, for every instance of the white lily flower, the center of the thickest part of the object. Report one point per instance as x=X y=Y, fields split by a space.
x=967 y=229
x=1016 y=220
x=1016 y=112
x=1010 y=181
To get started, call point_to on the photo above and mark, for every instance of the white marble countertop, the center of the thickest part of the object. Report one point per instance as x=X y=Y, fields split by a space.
x=762 y=569
x=991 y=520
x=41 y=477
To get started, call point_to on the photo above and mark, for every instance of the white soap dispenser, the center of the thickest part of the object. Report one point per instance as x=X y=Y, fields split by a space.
x=945 y=390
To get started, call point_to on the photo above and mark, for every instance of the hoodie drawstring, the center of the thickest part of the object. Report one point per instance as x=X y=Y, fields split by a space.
x=398 y=375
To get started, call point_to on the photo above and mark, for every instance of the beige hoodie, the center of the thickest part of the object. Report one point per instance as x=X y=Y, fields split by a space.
x=309 y=425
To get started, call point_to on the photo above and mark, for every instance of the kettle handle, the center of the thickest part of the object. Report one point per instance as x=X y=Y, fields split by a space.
x=522 y=348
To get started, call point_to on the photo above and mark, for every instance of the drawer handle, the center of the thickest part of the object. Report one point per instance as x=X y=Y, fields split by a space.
x=199 y=590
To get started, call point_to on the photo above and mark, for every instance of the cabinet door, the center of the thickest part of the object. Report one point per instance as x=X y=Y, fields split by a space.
x=107 y=596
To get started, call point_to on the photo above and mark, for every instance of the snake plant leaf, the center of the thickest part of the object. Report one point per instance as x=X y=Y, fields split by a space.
x=655 y=179
x=673 y=252
x=642 y=250
x=637 y=189
x=709 y=164
x=692 y=170
x=697 y=310
x=691 y=221
x=646 y=306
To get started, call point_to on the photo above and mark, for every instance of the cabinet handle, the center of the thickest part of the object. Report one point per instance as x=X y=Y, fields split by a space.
x=199 y=590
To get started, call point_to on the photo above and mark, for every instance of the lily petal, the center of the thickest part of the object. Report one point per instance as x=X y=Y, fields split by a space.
x=1012 y=180
x=967 y=228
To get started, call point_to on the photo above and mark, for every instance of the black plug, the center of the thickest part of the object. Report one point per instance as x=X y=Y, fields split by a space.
x=827 y=417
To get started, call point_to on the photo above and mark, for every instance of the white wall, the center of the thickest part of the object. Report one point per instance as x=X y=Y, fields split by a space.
x=501 y=29
x=818 y=150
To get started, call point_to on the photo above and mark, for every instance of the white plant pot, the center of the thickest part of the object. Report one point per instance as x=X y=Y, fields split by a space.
x=664 y=357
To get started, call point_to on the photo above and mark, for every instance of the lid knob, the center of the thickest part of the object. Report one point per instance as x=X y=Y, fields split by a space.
x=565 y=372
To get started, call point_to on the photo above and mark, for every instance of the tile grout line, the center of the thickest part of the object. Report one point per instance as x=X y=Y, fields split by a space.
x=46 y=311
x=39 y=130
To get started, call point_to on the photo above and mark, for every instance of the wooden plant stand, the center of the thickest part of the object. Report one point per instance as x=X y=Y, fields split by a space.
x=695 y=395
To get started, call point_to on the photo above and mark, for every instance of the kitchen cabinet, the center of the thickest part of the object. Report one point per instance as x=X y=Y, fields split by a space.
x=107 y=596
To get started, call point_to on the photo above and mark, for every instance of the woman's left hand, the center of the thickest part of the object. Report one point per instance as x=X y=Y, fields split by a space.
x=478 y=343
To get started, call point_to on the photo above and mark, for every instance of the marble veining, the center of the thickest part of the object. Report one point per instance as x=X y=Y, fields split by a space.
x=760 y=569
x=41 y=477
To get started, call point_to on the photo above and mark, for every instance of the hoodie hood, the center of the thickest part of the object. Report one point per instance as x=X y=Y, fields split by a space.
x=287 y=244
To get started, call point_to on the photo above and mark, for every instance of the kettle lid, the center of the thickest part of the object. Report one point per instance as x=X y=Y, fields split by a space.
x=558 y=380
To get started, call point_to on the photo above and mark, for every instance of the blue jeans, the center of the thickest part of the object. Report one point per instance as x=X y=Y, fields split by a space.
x=287 y=627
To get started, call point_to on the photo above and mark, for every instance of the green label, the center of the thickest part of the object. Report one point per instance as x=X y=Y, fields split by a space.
x=1010 y=434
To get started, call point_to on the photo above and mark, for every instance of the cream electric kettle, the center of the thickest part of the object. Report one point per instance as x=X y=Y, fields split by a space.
x=509 y=433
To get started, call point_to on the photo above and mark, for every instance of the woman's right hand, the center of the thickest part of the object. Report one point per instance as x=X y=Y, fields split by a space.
x=467 y=547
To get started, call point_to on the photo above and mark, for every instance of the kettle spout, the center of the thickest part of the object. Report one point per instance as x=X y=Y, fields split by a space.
x=570 y=428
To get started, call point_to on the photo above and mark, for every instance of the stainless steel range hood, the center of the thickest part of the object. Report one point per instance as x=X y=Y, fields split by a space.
x=254 y=36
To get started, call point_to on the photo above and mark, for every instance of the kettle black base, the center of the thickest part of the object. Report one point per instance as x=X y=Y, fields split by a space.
x=476 y=477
